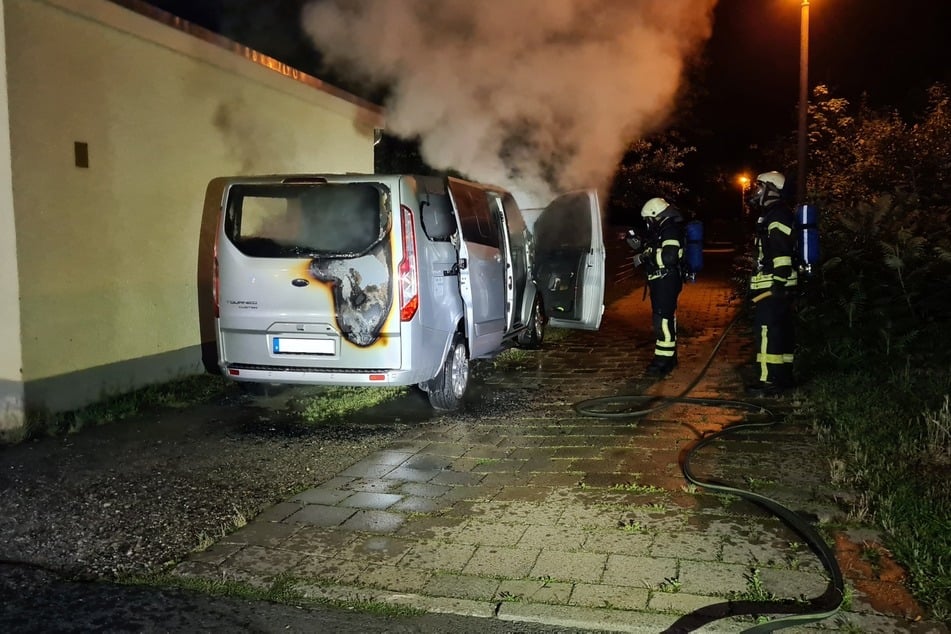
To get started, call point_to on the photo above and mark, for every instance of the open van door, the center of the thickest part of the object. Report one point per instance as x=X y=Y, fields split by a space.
x=569 y=260
x=482 y=270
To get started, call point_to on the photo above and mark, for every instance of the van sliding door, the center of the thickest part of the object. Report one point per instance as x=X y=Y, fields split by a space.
x=481 y=268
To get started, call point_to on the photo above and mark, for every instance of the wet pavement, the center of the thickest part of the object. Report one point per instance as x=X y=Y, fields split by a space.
x=524 y=511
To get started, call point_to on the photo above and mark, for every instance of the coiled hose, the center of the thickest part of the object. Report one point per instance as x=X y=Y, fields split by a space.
x=818 y=608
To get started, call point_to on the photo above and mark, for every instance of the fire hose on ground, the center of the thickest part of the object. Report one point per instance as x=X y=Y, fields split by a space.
x=798 y=612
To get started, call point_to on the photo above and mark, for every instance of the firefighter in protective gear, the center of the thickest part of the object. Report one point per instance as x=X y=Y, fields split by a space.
x=663 y=263
x=773 y=284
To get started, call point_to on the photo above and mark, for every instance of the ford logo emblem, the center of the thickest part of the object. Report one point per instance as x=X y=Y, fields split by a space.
x=300 y=282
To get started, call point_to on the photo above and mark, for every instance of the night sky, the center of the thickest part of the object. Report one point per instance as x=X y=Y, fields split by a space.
x=891 y=51
x=748 y=84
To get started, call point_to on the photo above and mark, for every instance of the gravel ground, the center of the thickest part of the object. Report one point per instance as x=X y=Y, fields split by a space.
x=129 y=497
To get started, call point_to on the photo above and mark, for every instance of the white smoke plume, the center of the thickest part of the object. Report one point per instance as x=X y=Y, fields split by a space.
x=533 y=95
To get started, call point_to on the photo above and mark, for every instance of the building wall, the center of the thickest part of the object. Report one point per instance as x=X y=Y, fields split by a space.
x=11 y=378
x=118 y=124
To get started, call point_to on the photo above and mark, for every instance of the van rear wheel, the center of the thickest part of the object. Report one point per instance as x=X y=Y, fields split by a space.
x=532 y=337
x=448 y=389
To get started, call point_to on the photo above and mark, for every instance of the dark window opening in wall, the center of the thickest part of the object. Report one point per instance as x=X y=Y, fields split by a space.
x=81 y=150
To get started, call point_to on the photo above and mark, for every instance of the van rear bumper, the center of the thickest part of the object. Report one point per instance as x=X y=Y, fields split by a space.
x=320 y=376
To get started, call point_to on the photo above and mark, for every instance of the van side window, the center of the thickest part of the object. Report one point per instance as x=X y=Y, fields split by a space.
x=307 y=220
x=438 y=221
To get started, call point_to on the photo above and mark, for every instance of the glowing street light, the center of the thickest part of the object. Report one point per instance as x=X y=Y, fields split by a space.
x=803 y=101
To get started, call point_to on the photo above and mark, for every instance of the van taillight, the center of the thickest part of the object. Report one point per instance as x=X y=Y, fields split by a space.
x=409 y=283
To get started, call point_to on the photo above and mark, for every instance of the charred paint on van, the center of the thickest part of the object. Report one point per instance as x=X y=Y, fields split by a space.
x=361 y=292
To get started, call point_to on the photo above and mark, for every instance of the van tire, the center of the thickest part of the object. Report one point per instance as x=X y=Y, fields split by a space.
x=532 y=337
x=448 y=389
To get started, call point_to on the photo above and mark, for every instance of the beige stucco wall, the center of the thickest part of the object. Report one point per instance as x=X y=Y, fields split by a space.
x=107 y=255
x=11 y=379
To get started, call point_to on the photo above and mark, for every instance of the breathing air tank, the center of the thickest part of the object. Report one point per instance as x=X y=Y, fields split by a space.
x=807 y=231
x=693 y=253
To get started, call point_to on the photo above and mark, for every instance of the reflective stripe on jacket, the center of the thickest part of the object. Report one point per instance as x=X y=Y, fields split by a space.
x=775 y=245
x=665 y=250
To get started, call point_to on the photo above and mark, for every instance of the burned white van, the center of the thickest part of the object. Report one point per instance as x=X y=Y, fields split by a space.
x=368 y=280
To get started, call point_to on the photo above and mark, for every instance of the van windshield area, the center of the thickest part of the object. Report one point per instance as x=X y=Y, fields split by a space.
x=323 y=220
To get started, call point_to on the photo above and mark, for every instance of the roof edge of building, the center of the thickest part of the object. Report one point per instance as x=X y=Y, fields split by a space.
x=168 y=19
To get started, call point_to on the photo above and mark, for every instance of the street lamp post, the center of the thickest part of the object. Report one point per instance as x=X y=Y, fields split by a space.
x=744 y=182
x=803 y=101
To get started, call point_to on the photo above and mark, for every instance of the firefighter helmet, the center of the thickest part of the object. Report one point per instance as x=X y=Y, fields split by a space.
x=654 y=207
x=769 y=187
x=773 y=178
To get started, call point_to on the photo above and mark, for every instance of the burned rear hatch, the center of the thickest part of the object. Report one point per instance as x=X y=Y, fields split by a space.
x=339 y=232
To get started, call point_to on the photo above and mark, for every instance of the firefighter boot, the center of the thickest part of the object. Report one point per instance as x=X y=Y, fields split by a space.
x=661 y=366
x=765 y=389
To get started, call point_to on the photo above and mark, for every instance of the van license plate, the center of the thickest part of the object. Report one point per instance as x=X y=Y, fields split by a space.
x=287 y=345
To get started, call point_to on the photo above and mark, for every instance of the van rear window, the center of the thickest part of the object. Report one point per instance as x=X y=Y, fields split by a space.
x=307 y=220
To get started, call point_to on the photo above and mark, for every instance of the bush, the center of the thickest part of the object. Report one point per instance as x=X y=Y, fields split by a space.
x=874 y=321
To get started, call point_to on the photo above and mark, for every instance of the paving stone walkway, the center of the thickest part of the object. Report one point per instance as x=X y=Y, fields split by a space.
x=526 y=511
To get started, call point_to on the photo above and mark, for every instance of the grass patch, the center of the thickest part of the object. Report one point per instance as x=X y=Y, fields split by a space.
x=632 y=526
x=512 y=359
x=755 y=590
x=634 y=487
x=508 y=597
x=889 y=436
x=755 y=484
x=180 y=393
x=555 y=335
x=377 y=608
x=670 y=585
x=283 y=590
x=338 y=402
x=280 y=591
x=238 y=520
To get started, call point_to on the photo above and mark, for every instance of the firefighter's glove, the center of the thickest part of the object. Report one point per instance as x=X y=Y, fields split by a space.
x=778 y=290
x=638 y=259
